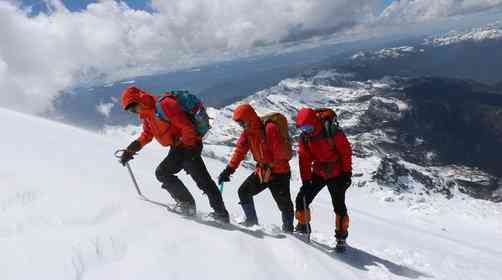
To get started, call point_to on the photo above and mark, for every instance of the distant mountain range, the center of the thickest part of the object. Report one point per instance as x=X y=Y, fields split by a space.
x=473 y=54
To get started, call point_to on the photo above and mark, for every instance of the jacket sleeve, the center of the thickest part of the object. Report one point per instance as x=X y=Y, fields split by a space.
x=344 y=150
x=146 y=135
x=240 y=151
x=305 y=161
x=180 y=120
x=275 y=139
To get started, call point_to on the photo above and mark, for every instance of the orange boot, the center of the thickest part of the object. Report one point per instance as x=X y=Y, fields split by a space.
x=342 y=226
x=303 y=217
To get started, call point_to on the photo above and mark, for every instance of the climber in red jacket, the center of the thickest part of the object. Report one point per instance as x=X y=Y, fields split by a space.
x=325 y=158
x=185 y=145
x=272 y=152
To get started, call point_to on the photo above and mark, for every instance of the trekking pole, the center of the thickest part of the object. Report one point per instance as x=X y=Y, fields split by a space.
x=118 y=154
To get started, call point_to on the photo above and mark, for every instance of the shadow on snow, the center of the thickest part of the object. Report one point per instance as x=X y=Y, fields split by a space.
x=361 y=260
x=228 y=227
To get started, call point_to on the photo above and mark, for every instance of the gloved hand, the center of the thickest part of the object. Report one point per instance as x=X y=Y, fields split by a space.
x=225 y=175
x=193 y=151
x=345 y=179
x=130 y=151
x=307 y=184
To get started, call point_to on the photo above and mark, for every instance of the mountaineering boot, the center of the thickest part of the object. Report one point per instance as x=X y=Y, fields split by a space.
x=303 y=231
x=342 y=226
x=185 y=208
x=220 y=216
x=250 y=213
x=288 y=228
x=287 y=222
x=341 y=232
x=303 y=217
x=340 y=246
x=303 y=228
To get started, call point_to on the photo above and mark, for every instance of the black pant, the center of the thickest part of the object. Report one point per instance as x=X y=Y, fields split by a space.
x=337 y=192
x=181 y=159
x=279 y=187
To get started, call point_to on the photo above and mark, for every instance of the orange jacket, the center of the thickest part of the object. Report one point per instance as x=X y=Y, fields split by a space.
x=264 y=143
x=178 y=132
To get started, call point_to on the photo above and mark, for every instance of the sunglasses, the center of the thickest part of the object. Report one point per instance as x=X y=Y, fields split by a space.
x=242 y=124
x=132 y=108
x=306 y=128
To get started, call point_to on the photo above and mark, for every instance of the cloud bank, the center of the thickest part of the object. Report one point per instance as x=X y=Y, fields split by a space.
x=42 y=55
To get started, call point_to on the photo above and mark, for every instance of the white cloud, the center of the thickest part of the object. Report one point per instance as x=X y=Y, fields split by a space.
x=41 y=56
x=105 y=108
x=424 y=10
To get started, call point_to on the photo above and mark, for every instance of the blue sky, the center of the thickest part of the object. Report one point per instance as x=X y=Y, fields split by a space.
x=77 y=5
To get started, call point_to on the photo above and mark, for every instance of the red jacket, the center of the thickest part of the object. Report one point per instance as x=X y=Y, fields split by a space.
x=178 y=132
x=264 y=143
x=318 y=155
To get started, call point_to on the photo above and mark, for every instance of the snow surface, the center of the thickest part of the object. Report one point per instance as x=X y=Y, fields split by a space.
x=69 y=211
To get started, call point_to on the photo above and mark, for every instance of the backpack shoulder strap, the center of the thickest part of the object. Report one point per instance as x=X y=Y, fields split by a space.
x=159 y=111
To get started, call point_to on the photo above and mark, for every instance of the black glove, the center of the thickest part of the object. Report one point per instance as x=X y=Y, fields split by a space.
x=345 y=179
x=129 y=153
x=225 y=175
x=193 y=151
x=307 y=184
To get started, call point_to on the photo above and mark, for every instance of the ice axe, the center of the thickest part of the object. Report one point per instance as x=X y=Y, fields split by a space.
x=118 y=154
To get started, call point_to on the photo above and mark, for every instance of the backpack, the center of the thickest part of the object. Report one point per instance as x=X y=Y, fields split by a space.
x=329 y=121
x=282 y=122
x=192 y=105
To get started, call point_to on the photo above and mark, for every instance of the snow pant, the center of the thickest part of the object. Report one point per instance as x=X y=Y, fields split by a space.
x=279 y=186
x=181 y=159
x=337 y=192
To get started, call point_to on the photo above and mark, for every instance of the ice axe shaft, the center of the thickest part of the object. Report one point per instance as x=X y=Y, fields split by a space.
x=118 y=154
x=134 y=180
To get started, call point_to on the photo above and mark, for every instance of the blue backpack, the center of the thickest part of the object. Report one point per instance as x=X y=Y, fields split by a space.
x=192 y=105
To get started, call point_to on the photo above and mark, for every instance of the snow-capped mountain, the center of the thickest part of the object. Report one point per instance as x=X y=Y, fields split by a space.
x=387 y=53
x=466 y=54
x=475 y=35
x=488 y=32
x=394 y=140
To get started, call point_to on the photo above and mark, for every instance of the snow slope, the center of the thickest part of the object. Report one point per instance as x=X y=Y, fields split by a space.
x=68 y=211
